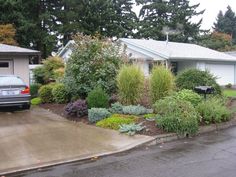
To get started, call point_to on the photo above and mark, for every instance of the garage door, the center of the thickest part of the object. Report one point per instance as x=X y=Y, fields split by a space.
x=6 y=67
x=224 y=73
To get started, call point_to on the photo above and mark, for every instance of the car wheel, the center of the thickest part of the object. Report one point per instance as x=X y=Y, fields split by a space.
x=26 y=106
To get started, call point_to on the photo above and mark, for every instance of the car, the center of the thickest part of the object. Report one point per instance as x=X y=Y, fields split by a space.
x=14 y=92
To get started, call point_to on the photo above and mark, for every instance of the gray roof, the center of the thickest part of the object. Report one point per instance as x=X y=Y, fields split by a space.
x=176 y=51
x=232 y=53
x=8 y=50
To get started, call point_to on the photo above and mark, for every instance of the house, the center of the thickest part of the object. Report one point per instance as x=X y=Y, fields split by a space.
x=178 y=56
x=15 y=60
x=66 y=51
x=233 y=53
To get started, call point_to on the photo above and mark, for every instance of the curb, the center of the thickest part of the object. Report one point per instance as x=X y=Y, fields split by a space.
x=159 y=139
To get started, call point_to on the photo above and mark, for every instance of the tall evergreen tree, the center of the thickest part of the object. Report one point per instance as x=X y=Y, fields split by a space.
x=173 y=14
x=226 y=23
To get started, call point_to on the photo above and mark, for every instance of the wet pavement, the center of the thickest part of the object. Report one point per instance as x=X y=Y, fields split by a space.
x=38 y=137
x=212 y=155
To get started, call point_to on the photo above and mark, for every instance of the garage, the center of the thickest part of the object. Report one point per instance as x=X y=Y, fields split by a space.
x=225 y=73
x=15 y=60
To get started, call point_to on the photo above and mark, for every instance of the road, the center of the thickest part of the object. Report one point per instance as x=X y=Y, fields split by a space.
x=212 y=155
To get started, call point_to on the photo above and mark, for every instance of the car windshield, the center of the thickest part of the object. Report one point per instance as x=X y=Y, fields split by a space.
x=10 y=80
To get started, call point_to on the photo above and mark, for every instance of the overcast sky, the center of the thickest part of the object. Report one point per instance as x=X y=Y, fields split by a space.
x=212 y=8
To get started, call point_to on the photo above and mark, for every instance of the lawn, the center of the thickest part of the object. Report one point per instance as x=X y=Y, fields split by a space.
x=229 y=92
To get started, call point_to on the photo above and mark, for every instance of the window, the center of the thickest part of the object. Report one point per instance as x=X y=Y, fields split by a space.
x=4 y=64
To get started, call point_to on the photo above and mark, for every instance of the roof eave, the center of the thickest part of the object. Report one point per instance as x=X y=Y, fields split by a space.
x=203 y=59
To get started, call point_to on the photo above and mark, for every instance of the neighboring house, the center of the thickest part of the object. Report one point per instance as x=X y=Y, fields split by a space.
x=178 y=56
x=66 y=51
x=15 y=60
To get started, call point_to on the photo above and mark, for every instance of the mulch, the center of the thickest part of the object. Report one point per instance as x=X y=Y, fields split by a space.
x=150 y=130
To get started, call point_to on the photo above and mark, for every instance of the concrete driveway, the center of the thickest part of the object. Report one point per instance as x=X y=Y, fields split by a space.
x=36 y=138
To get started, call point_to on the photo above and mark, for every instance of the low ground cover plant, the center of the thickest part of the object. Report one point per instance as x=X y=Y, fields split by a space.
x=136 y=110
x=188 y=95
x=116 y=108
x=150 y=116
x=36 y=101
x=161 y=82
x=191 y=78
x=130 y=83
x=98 y=98
x=114 y=121
x=78 y=108
x=97 y=114
x=177 y=116
x=131 y=129
x=213 y=110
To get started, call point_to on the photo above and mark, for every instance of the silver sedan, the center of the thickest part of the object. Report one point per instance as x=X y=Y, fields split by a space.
x=14 y=92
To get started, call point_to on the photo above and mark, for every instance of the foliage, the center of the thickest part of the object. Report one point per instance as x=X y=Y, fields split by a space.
x=213 y=111
x=131 y=129
x=97 y=114
x=116 y=108
x=49 y=70
x=150 y=116
x=7 y=34
x=78 y=108
x=97 y=98
x=94 y=62
x=60 y=94
x=36 y=101
x=225 y=23
x=217 y=41
x=188 y=95
x=191 y=78
x=130 y=82
x=229 y=85
x=34 y=90
x=115 y=121
x=177 y=15
x=177 y=116
x=161 y=83
x=136 y=110
x=45 y=93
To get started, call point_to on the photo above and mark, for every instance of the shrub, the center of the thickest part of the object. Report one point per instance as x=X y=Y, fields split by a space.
x=79 y=108
x=60 y=94
x=130 y=82
x=36 y=101
x=150 y=116
x=131 y=129
x=116 y=108
x=188 y=95
x=97 y=114
x=46 y=73
x=229 y=85
x=34 y=88
x=213 y=111
x=136 y=110
x=177 y=116
x=115 y=121
x=94 y=61
x=191 y=78
x=45 y=93
x=97 y=98
x=161 y=82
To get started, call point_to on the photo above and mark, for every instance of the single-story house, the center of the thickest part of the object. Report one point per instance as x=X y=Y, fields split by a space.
x=178 y=56
x=232 y=53
x=15 y=60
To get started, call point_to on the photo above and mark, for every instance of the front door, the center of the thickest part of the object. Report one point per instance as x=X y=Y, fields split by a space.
x=6 y=67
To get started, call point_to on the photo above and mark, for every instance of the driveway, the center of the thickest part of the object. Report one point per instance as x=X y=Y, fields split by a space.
x=30 y=139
